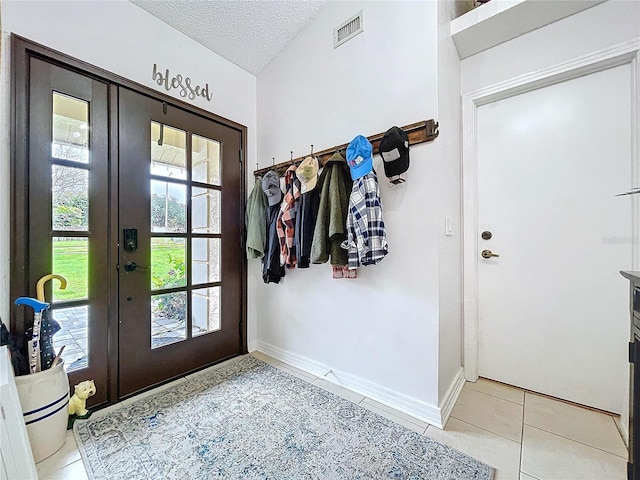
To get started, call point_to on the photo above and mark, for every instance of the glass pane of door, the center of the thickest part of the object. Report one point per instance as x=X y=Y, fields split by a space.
x=168 y=318
x=73 y=336
x=168 y=207
x=205 y=260
x=168 y=256
x=205 y=160
x=168 y=151
x=70 y=135
x=70 y=198
x=206 y=310
x=71 y=260
x=205 y=205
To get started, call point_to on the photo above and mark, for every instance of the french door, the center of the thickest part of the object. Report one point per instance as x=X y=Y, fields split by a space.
x=181 y=274
x=137 y=203
x=68 y=198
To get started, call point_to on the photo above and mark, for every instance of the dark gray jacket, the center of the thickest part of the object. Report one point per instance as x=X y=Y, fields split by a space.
x=272 y=271
x=305 y=225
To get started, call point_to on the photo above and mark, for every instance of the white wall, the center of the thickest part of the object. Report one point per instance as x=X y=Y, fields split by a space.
x=599 y=27
x=378 y=334
x=449 y=247
x=123 y=39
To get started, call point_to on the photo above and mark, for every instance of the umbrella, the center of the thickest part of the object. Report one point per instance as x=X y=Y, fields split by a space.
x=38 y=307
x=48 y=326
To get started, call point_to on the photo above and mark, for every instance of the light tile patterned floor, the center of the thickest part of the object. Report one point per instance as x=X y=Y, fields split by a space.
x=524 y=436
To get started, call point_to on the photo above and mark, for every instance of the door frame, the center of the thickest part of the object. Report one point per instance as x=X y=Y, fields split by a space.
x=22 y=50
x=621 y=54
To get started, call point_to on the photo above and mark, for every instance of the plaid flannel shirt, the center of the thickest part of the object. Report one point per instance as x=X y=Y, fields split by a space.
x=286 y=222
x=366 y=234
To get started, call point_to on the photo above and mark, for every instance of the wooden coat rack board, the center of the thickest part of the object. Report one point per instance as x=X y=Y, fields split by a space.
x=420 y=132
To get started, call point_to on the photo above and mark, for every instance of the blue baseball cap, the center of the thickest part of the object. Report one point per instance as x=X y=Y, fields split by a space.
x=359 y=157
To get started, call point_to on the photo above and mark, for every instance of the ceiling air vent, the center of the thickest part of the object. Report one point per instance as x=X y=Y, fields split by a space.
x=347 y=30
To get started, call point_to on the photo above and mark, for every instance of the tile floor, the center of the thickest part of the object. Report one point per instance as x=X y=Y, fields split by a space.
x=524 y=436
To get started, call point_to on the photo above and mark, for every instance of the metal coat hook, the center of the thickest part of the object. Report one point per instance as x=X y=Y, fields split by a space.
x=164 y=107
x=161 y=139
x=273 y=161
x=291 y=157
x=312 y=150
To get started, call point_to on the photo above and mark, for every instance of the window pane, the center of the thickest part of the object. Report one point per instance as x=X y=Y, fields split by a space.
x=205 y=160
x=206 y=310
x=205 y=260
x=70 y=198
x=168 y=315
x=167 y=263
x=71 y=260
x=168 y=151
x=73 y=335
x=70 y=136
x=168 y=207
x=205 y=210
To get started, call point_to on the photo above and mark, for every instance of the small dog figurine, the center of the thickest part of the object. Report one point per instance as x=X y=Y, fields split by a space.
x=78 y=402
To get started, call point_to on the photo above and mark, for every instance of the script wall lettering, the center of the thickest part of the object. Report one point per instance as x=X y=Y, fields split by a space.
x=184 y=85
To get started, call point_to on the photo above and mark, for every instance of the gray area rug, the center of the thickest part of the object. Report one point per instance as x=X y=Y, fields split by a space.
x=249 y=420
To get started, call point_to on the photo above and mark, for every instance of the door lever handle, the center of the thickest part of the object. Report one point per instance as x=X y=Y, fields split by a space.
x=131 y=266
x=488 y=254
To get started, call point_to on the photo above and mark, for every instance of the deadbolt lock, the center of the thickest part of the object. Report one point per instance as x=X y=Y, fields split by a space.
x=489 y=254
x=486 y=235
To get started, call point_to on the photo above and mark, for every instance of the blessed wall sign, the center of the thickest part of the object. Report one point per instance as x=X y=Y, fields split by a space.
x=186 y=88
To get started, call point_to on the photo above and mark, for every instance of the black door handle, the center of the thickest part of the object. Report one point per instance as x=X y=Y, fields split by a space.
x=131 y=266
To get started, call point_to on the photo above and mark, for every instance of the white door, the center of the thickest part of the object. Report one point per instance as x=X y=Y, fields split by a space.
x=553 y=309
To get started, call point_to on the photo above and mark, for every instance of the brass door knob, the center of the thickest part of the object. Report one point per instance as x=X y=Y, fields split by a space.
x=489 y=254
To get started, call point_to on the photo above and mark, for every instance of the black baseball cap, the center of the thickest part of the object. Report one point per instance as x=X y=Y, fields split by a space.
x=394 y=150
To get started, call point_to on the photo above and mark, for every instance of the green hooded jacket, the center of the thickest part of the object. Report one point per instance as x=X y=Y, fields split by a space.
x=335 y=186
x=255 y=221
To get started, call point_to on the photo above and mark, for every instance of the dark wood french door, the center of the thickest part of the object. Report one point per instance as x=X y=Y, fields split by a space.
x=180 y=264
x=67 y=196
x=138 y=203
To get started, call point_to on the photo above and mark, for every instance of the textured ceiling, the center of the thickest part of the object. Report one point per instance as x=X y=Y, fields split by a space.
x=246 y=32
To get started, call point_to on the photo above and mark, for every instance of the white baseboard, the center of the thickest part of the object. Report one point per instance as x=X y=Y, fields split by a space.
x=303 y=363
x=424 y=411
x=252 y=346
x=623 y=429
x=451 y=397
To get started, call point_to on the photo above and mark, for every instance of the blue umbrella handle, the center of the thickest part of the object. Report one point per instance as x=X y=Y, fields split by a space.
x=37 y=305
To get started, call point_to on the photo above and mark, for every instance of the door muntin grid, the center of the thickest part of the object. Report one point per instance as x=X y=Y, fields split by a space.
x=186 y=206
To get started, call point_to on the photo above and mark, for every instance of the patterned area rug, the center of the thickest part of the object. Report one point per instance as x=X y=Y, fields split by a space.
x=249 y=420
